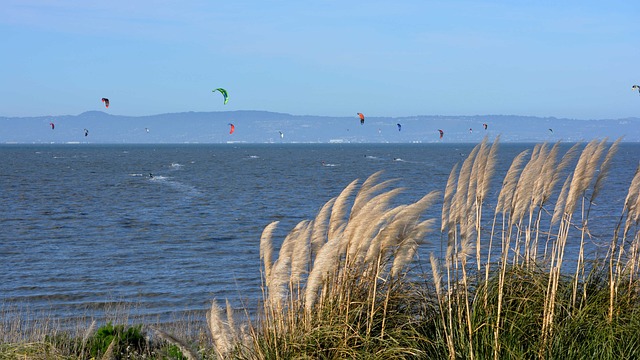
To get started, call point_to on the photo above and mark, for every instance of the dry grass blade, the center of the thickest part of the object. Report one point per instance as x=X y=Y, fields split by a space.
x=108 y=354
x=186 y=350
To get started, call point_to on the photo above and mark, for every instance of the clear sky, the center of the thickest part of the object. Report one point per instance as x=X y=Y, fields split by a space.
x=575 y=59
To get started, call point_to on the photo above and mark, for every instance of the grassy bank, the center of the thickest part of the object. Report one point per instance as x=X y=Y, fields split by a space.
x=348 y=283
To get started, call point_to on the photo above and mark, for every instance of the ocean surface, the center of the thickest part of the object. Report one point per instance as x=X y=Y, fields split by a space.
x=167 y=228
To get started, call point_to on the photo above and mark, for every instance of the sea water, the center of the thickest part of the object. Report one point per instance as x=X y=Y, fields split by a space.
x=168 y=228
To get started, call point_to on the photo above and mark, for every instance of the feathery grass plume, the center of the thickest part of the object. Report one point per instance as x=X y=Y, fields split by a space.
x=300 y=253
x=524 y=201
x=604 y=169
x=219 y=334
x=477 y=168
x=405 y=219
x=368 y=190
x=231 y=320
x=280 y=277
x=339 y=210
x=321 y=227
x=505 y=197
x=280 y=271
x=546 y=163
x=408 y=247
x=358 y=220
x=579 y=177
x=266 y=247
x=484 y=182
x=368 y=201
x=489 y=169
x=506 y=205
x=448 y=196
x=475 y=184
x=548 y=178
x=635 y=214
x=543 y=187
x=593 y=161
x=459 y=210
x=350 y=238
x=458 y=207
x=186 y=350
x=324 y=265
x=560 y=203
x=369 y=224
x=524 y=189
x=403 y=255
x=470 y=223
x=559 y=168
x=582 y=177
x=437 y=276
x=375 y=247
x=630 y=202
x=370 y=237
x=616 y=248
x=466 y=249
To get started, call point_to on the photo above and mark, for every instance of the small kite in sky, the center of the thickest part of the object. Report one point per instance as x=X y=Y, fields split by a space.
x=441 y=133
x=224 y=94
x=232 y=128
x=636 y=87
x=361 y=115
x=53 y=126
x=106 y=102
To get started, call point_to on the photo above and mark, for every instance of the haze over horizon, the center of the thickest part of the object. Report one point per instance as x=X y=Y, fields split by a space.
x=574 y=59
x=272 y=127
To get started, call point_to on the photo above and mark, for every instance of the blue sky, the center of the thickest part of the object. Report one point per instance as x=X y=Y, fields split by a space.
x=575 y=59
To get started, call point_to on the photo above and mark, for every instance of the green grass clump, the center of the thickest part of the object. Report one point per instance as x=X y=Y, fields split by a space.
x=117 y=339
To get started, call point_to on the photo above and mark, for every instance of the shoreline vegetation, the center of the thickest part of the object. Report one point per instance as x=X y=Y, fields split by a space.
x=348 y=284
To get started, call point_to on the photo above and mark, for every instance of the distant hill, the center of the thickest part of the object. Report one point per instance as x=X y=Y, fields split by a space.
x=265 y=127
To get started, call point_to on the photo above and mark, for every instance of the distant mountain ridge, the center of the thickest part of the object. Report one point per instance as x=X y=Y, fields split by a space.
x=254 y=126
